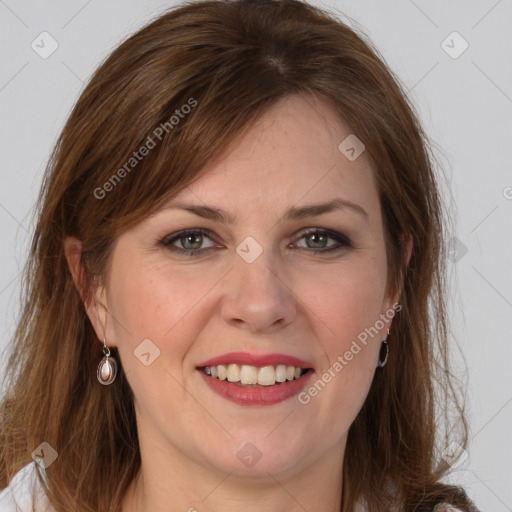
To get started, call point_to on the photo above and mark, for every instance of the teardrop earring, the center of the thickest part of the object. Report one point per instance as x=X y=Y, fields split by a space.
x=107 y=368
x=384 y=352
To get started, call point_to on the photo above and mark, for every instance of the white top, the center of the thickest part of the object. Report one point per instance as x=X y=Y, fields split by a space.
x=25 y=494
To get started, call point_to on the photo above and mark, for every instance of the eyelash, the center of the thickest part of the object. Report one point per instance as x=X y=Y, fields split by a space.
x=167 y=242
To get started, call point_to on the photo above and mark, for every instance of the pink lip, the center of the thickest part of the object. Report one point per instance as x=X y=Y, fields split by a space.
x=256 y=396
x=256 y=360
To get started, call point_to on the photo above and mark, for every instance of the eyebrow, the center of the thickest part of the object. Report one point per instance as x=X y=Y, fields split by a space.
x=294 y=213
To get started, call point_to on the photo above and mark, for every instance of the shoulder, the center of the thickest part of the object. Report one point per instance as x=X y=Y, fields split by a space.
x=24 y=493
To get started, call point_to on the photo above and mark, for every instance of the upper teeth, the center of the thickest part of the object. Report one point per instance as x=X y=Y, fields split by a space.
x=246 y=374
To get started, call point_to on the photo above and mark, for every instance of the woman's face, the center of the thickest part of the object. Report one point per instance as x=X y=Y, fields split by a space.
x=281 y=280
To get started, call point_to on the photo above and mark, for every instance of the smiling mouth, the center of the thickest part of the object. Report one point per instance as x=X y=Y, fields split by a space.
x=255 y=376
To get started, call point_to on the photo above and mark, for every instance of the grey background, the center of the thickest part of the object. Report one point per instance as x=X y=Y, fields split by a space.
x=465 y=104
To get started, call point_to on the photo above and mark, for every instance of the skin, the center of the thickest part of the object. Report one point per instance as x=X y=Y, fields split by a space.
x=289 y=300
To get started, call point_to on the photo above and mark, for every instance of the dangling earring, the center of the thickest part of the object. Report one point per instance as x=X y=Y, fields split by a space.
x=384 y=352
x=107 y=368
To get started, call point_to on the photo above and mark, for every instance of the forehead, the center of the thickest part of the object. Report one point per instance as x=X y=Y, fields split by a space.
x=291 y=155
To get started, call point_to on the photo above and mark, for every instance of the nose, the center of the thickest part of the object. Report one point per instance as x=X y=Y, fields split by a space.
x=257 y=296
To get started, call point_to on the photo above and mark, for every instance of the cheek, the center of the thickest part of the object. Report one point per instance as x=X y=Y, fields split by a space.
x=151 y=300
x=347 y=300
x=347 y=304
x=347 y=309
x=155 y=302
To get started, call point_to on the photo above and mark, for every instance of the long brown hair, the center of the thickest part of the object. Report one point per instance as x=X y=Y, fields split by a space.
x=229 y=61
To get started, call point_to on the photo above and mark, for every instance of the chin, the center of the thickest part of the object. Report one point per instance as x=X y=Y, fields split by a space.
x=262 y=456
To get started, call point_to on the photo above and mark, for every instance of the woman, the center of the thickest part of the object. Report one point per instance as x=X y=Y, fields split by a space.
x=235 y=294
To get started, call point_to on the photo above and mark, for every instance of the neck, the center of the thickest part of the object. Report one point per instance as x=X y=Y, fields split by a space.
x=163 y=485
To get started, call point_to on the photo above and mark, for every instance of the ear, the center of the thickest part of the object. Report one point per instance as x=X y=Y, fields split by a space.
x=95 y=306
x=407 y=248
x=406 y=243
